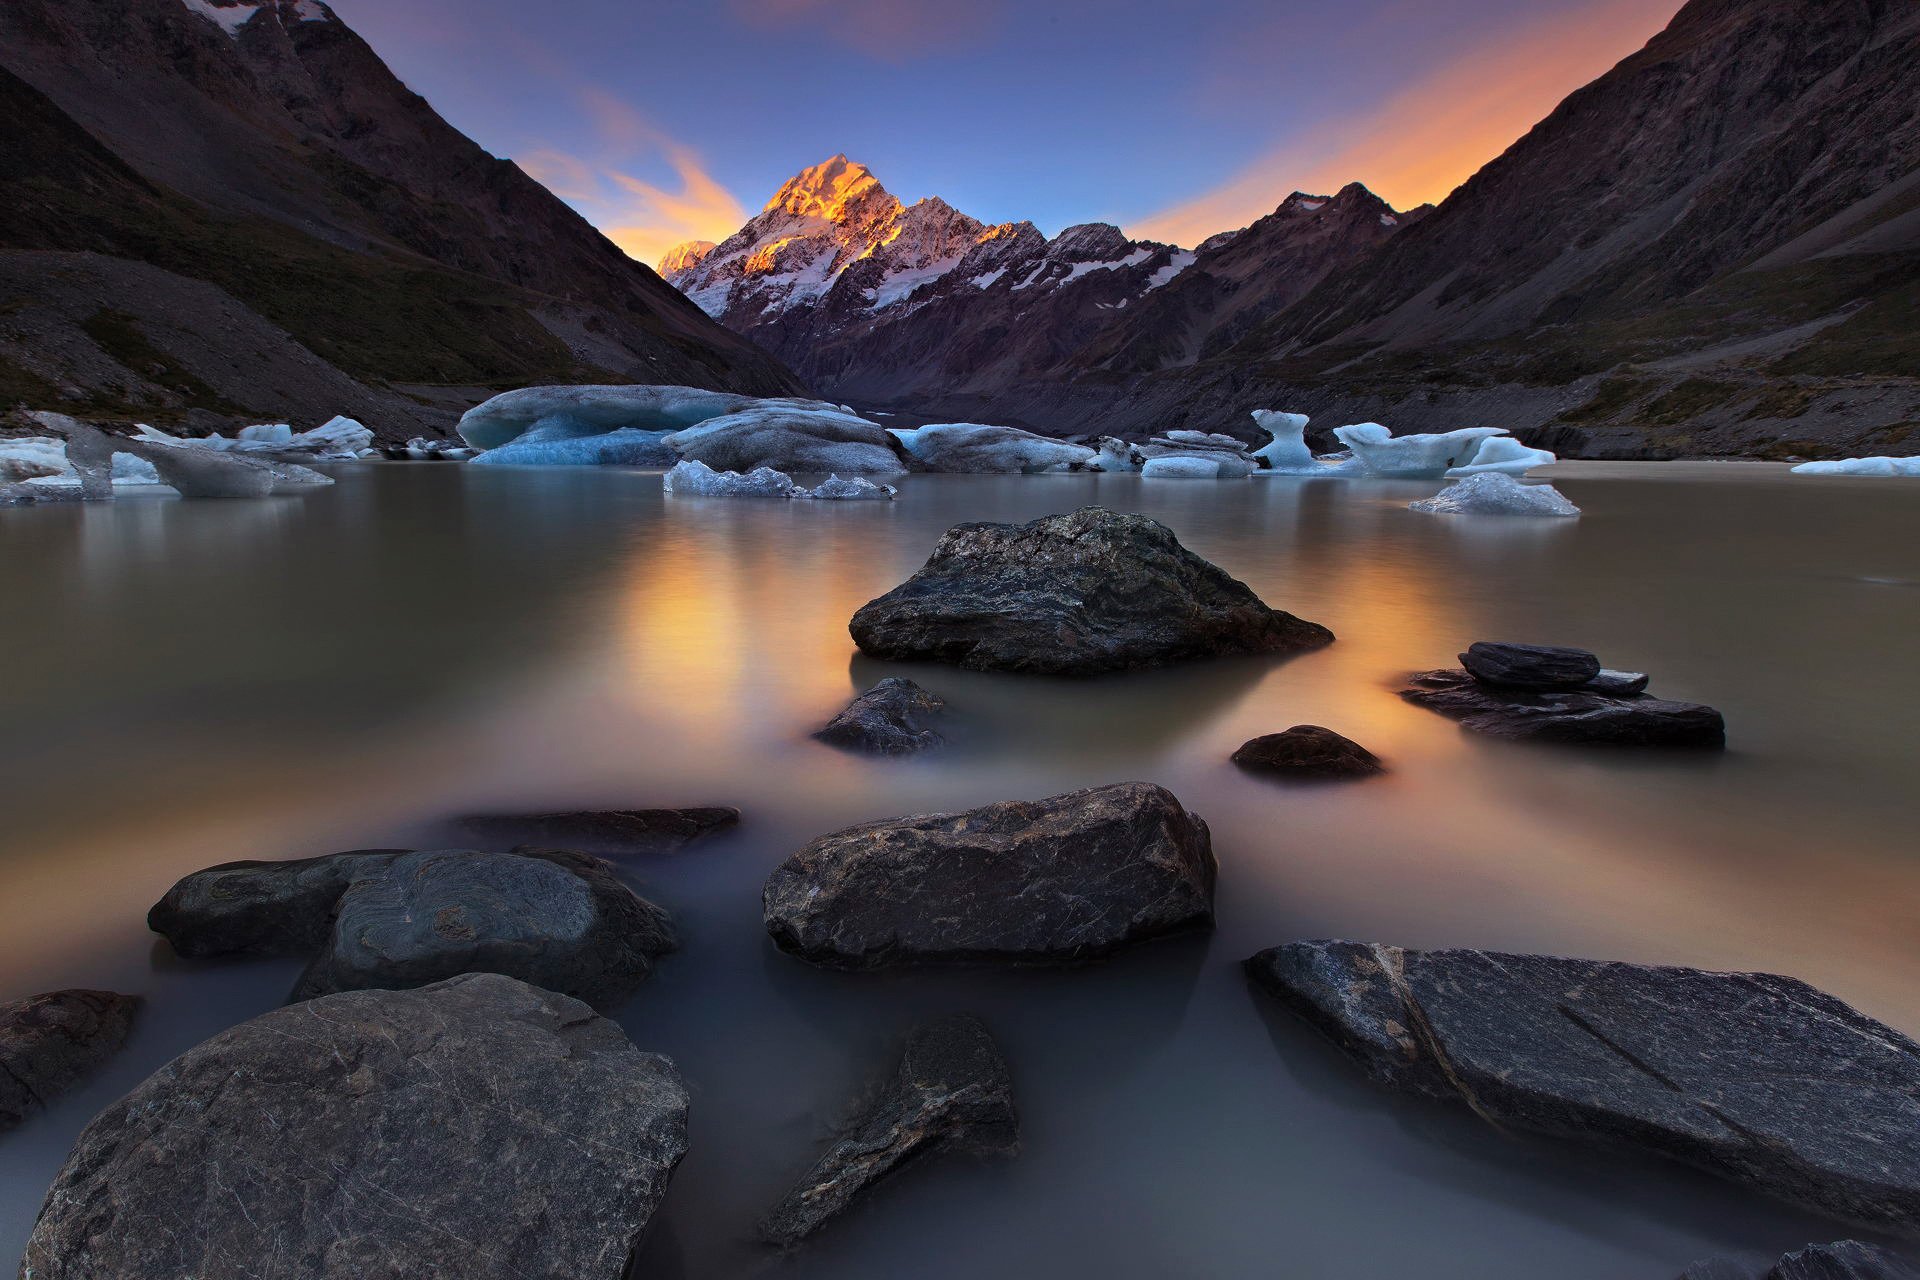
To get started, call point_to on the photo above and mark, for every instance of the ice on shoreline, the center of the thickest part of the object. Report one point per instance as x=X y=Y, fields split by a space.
x=1882 y=466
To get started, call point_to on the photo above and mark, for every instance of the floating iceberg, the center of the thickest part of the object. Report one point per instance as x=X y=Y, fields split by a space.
x=1115 y=455
x=422 y=449
x=33 y=458
x=194 y=472
x=851 y=489
x=1423 y=457
x=567 y=412
x=1287 y=450
x=1506 y=455
x=1227 y=456
x=552 y=447
x=1181 y=467
x=975 y=447
x=790 y=435
x=698 y=480
x=1861 y=467
x=339 y=439
x=1494 y=493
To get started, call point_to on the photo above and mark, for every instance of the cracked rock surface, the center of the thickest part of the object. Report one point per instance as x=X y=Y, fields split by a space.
x=888 y=719
x=1758 y=1078
x=477 y=1129
x=1079 y=594
x=49 y=1043
x=950 y=1092
x=1057 y=881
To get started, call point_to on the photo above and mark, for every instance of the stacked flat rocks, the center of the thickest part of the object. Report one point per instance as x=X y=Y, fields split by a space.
x=888 y=719
x=1554 y=694
x=1757 y=1078
x=1079 y=594
x=478 y=1128
x=381 y=918
x=50 y=1043
x=1063 y=880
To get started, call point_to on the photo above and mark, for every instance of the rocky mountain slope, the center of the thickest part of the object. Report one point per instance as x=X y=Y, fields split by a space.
x=924 y=306
x=221 y=210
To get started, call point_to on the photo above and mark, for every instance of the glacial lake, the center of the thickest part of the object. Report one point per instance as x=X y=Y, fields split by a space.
x=191 y=683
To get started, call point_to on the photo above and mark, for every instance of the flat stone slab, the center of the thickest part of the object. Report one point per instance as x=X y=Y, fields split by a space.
x=950 y=1092
x=888 y=719
x=1529 y=666
x=1079 y=594
x=1583 y=715
x=615 y=830
x=1760 y=1079
x=1063 y=880
x=1308 y=752
x=50 y=1043
x=479 y=1128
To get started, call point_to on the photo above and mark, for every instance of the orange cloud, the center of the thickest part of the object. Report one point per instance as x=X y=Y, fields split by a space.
x=657 y=219
x=891 y=30
x=1423 y=142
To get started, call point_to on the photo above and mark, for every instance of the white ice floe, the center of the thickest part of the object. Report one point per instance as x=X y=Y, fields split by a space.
x=1419 y=457
x=1503 y=454
x=551 y=446
x=1114 y=455
x=1182 y=467
x=793 y=436
x=1861 y=467
x=698 y=480
x=851 y=489
x=32 y=458
x=193 y=472
x=339 y=439
x=1287 y=450
x=1494 y=493
x=976 y=447
x=563 y=412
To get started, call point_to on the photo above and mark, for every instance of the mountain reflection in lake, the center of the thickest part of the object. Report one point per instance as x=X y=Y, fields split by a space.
x=191 y=683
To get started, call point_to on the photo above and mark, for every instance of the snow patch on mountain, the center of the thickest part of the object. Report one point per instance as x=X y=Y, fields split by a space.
x=228 y=17
x=1179 y=262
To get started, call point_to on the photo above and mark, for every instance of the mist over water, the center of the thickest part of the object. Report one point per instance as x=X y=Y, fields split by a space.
x=191 y=683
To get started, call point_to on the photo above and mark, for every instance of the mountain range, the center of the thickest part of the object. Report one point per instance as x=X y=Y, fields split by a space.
x=214 y=211
x=1714 y=248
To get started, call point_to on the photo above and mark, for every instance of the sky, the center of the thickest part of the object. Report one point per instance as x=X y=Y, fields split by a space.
x=670 y=120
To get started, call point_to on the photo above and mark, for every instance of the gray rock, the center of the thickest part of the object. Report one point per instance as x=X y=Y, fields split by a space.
x=621 y=830
x=1757 y=1078
x=887 y=719
x=1075 y=594
x=1567 y=715
x=557 y=919
x=1057 y=881
x=1529 y=666
x=261 y=908
x=1841 y=1260
x=51 y=1042
x=950 y=1092
x=478 y=1129
x=1621 y=684
x=1308 y=751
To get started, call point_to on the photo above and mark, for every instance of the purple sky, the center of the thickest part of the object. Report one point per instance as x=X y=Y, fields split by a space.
x=676 y=119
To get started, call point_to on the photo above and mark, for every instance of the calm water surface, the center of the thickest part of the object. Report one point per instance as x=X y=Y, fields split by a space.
x=189 y=683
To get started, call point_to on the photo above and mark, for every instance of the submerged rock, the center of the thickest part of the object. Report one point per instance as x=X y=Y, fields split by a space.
x=1841 y=1260
x=1077 y=594
x=557 y=919
x=1529 y=666
x=950 y=1092
x=887 y=719
x=974 y=447
x=1586 y=715
x=1495 y=493
x=51 y=1042
x=1057 y=881
x=622 y=830
x=1308 y=751
x=1757 y=1078
x=479 y=1128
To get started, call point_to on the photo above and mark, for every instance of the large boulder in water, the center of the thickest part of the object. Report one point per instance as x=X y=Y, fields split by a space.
x=950 y=1092
x=260 y=908
x=1757 y=1078
x=478 y=1129
x=1063 y=880
x=1075 y=594
x=790 y=436
x=1308 y=752
x=51 y=1042
x=888 y=719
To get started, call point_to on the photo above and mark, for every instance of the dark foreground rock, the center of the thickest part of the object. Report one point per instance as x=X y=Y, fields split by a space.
x=1077 y=594
x=614 y=830
x=386 y=918
x=51 y=1042
x=1529 y=666
x=950 y=1092
x=1754 y=1077
x=1310 y=752
x=888 y=719
x=1841 y=1260
x=1585 y=715
x=478 y=1129
x=1057 y=881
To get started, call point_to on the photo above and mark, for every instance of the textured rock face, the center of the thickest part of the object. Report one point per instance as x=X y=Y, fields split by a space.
x=479 y=1129
x=1529 y=666
x=559 y=920
x=1057 y=881
x=621 y=830
x=1587 y=715
x=888 y=719
x=49 y=1043
x=1841 y=1260
x=261 y=908
x=1078 y=594
x=950 y=1092
x=1757 y=1078
x=1308 y=751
